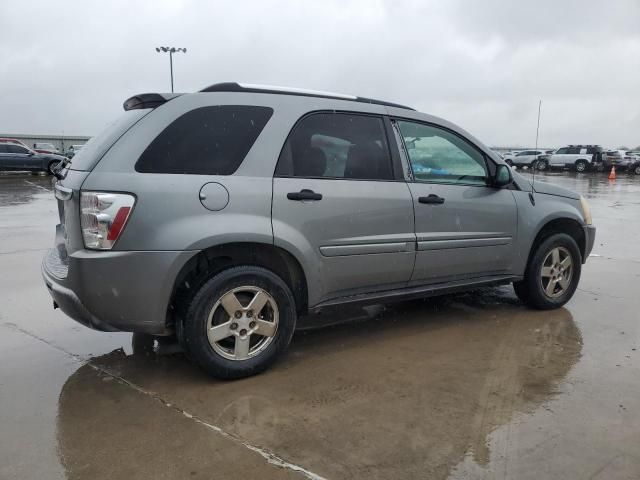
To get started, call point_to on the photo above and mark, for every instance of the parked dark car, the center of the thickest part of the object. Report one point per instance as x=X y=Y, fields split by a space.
x=18 y=157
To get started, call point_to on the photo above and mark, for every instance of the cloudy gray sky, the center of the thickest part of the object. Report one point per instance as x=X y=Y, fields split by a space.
x=67 y=66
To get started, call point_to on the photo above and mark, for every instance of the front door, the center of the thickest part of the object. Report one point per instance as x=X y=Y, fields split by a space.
x=464 y=227
x=337 y=205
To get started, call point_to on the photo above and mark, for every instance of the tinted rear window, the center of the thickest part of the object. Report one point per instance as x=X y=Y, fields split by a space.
x=205 y=141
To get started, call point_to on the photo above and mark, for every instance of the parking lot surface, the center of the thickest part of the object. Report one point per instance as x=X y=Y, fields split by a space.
x=472 y=385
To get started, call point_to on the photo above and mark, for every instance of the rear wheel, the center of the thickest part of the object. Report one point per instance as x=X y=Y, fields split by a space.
x=239 y=322
x=636 y=169
x=581 y=166
x=541 y=165
x=552 y=275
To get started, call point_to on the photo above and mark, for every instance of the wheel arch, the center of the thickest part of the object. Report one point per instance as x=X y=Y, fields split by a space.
x=213 y=260
x=567 y=225
x=581 y=160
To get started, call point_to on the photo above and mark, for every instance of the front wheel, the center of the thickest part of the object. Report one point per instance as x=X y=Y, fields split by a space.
x=239 y=322
x=552 y=274
x=636 y=170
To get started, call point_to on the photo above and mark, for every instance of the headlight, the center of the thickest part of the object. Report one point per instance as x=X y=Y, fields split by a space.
x=586 y=210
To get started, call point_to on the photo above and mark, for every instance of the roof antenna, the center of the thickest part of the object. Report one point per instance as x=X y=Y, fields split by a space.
x=533 y=180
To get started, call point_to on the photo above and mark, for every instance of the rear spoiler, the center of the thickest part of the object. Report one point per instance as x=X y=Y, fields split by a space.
x=148 y=100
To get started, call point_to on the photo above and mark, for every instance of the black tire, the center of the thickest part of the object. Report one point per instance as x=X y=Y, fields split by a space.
x=581 y=166
x=530 y=290
x=193 y=331
x=636 y=170
x=541 y=165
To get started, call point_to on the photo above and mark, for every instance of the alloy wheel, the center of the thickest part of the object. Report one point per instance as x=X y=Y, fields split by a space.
x=557 y=272
x=242 y=323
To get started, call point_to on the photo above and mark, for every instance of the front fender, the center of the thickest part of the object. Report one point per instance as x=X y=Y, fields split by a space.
x=533 y=218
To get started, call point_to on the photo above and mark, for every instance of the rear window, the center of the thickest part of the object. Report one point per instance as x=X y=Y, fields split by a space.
x=205 y=141
x=97 y=146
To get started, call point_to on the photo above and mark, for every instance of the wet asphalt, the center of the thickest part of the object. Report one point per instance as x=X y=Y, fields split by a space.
x=465 y=386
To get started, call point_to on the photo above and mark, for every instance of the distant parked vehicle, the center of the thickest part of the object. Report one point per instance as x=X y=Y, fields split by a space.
x=73 y=149
x=46 y=148
x=18 y=157
x=634 y=166
x=578 y=157
x=510 y=155
x=526 y=158
x=14 y=141
x=621 y=159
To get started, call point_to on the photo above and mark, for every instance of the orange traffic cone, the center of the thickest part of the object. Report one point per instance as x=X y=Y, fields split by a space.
x=612 y=175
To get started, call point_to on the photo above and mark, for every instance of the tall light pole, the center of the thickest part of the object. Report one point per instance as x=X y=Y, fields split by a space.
x=171 y=51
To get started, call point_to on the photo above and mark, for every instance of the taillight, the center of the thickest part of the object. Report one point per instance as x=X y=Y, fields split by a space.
x=103 y=217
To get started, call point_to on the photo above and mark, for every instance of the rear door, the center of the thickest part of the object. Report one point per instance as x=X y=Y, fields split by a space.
x=7 y=161
x=337 y=203
x=464 y=227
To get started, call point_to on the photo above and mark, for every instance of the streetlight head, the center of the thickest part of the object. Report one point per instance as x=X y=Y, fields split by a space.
x=173 y=50
x=157 y=49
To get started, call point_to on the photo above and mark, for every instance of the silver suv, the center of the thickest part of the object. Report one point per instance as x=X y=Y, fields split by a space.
x=223 y=215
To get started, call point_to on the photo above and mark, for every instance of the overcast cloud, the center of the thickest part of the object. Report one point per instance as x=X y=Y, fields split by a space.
x=67 y=66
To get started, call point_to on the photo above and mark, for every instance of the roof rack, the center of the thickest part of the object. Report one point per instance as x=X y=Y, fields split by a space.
x=253 y=88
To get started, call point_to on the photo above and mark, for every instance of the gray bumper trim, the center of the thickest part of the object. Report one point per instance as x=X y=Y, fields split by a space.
x=70 y=304
x=590 y=238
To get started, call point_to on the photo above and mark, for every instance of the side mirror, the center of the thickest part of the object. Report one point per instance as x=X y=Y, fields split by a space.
x=503 y=176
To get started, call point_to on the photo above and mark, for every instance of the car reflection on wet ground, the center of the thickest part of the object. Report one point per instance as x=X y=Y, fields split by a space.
x=472 y=385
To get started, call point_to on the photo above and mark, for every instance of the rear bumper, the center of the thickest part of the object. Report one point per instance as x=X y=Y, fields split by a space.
x=115 y=291
x=590 y=238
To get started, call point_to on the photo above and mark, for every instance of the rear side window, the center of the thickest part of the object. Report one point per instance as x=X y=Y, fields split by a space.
x=16 y=149
x=337 y=145
x=205 y=141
